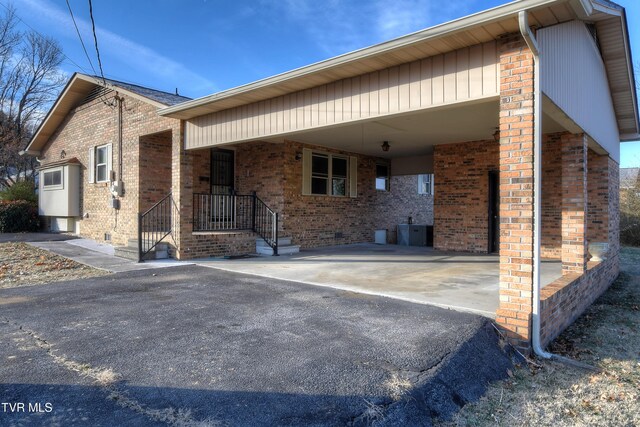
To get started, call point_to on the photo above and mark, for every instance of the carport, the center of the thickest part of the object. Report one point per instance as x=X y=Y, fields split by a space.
x=459 y=281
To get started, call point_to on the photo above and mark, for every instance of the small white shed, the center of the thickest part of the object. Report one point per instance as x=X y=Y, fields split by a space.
x=59 y=194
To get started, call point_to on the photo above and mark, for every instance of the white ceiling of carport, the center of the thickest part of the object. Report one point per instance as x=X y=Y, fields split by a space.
x=414 y=133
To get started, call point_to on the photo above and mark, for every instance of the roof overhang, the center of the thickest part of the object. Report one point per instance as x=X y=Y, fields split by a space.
x=468 y=31
x=76 y=89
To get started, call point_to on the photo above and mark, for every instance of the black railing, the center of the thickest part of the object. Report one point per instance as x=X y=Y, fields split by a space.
x=228 y=212
x=265 y=223
x=155 y=224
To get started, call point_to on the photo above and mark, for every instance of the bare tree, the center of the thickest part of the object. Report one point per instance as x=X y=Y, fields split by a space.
x=29 y=81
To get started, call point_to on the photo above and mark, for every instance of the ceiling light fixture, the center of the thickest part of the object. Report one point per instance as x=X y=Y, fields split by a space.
x=385 y=146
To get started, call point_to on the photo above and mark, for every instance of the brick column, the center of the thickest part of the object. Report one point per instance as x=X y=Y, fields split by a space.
x=182 y=191
x=574 y=203
x=598 y=197
x=516 y=190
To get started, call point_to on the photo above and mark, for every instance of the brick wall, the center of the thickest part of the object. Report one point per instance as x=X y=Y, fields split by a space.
x=598 y=197
x=96 y=123
x=564 y=300
x=574 y=203
x=314 y=221
x=551 y=208
x=401 y=202
x=461 y=200
x=154 y=173
x=272 y=171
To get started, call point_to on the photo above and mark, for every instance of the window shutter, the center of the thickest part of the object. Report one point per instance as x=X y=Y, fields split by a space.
x=353 y=176
x=306 y=171
x=109 y=162
x=91 y=169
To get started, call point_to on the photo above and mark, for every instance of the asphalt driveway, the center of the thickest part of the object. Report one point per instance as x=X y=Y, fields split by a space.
x=197 y=346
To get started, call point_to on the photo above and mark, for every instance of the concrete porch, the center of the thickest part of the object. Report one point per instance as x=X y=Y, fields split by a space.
x=460 y=281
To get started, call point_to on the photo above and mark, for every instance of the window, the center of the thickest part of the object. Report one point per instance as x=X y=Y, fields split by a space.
x=328 y=174
x=52 y=179
x=425 y=184
x=325 y=174
x=102 y=163
x=382 y=177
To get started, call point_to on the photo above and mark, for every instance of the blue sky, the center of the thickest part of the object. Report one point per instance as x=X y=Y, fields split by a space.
x=203 y=46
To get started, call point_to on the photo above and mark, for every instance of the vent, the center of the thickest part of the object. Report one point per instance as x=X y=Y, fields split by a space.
x=95 y=93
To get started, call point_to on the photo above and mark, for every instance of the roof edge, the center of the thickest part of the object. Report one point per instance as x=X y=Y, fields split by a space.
x=482 y=17
x=87 y=78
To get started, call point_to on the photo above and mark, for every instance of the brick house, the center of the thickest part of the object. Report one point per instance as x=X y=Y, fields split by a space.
x=509 y=121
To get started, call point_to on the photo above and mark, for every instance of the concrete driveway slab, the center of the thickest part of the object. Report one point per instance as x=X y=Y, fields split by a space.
x=191 y=344
x=462 y=281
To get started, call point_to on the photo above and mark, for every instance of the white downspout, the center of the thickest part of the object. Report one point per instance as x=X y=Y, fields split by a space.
x=529 y=38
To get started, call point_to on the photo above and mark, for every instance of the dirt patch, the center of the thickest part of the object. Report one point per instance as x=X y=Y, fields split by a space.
x=24 y=265
x=607 y=336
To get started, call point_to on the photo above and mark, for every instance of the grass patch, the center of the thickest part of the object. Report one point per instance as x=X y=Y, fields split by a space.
x=607 y=336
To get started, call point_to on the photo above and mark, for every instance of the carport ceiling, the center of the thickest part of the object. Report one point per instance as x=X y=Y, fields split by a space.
x=414 y=133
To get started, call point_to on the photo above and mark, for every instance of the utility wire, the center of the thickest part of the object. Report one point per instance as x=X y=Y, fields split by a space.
x=95 y=40
x=80 y=37
x=44 y=38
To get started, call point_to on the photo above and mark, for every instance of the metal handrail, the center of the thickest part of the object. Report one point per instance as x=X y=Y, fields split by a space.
x=155 y=224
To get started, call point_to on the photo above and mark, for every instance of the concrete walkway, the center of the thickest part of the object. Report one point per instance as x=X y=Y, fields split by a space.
x=85 y=251
x=458 y=281
x=100 y=255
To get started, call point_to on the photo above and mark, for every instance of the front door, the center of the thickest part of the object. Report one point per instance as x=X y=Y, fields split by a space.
x=222 y=171
x=494 y=212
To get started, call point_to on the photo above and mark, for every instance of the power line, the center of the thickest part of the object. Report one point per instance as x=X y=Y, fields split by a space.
x=95 y=40
x=36 y=32
x=80 y=37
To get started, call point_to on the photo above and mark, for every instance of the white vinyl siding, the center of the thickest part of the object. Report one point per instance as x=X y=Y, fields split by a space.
x=326 y=174
x=574 y=77
x=463 y=75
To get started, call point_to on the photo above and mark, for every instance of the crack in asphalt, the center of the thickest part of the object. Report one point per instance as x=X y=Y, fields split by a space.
x=106 y=378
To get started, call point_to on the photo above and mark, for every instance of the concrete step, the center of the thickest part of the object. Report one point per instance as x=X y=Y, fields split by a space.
x=282 y=250
x=161 y=251
x=282 y=241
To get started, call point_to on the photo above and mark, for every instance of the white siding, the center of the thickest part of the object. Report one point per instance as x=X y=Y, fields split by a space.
x=463 y=75
x=63 y=201
x=574 y=77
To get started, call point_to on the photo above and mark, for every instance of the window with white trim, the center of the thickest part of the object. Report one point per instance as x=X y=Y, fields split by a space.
x=102 y=163
x=382 y=177
x=425 y=184
x=327 y=174
x=52 y=179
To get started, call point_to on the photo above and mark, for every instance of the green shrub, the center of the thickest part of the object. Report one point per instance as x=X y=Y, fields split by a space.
x=18 y=216
x=21 y=190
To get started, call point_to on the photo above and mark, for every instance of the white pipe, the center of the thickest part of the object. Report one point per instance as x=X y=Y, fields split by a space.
x=529 y=38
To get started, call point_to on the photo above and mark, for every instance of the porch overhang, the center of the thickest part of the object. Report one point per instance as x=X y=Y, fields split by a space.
x=289 y=102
